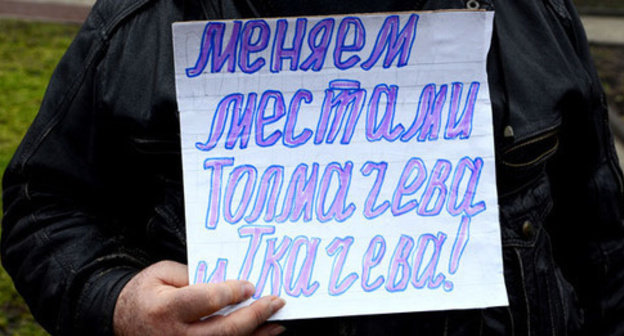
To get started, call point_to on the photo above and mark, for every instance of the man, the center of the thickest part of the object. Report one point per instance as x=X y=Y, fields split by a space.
x=93 y=199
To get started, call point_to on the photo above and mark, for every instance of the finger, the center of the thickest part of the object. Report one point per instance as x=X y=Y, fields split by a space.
x=270 y=329
x=243 y=321
x=171 y=273
x=194 y=302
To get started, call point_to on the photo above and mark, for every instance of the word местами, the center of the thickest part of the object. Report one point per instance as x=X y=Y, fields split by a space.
x=343 y=105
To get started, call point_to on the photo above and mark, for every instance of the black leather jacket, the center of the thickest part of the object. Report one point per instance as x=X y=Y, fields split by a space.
x=93 y=194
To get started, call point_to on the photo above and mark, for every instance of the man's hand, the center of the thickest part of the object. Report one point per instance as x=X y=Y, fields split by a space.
x=158 y=301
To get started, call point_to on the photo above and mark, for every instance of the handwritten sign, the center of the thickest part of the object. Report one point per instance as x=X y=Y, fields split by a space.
x=344 y=163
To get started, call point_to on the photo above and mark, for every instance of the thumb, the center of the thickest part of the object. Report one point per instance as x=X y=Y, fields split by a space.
x=171 y=273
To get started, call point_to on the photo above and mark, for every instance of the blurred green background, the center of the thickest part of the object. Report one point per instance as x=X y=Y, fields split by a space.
x=29 y=52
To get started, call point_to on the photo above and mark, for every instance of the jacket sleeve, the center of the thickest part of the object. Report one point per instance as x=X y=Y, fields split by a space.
x=588 y=230
x=59 y=243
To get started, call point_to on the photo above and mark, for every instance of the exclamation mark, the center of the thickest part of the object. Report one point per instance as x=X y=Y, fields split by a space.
x=461 y=240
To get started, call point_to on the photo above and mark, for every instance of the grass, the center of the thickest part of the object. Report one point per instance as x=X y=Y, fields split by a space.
x=29 y=52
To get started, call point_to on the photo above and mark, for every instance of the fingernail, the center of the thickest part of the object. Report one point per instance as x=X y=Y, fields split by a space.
x=248 y=289
x=277 y=303
x=276 y=330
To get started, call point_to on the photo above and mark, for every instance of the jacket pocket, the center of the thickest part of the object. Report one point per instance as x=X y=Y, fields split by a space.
x=155 y=146
x=531 y=152
x=542 y=302
x=521 y=164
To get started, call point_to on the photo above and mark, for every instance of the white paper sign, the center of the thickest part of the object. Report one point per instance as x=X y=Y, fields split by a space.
x=344 y=163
